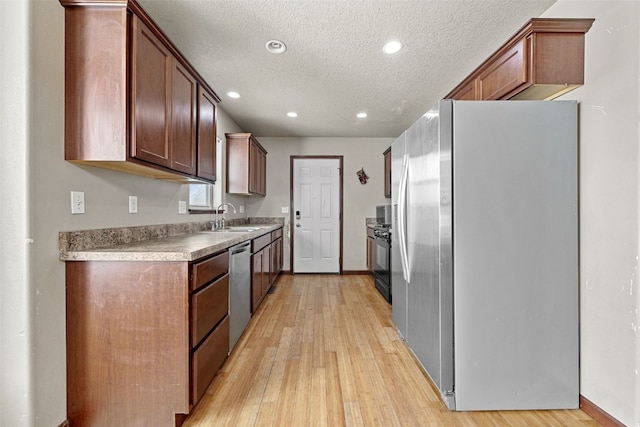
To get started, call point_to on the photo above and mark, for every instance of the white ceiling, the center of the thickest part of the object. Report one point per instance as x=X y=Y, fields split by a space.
x=334 y=66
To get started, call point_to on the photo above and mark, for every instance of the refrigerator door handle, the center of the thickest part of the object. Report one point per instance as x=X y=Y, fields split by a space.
x=402 y=208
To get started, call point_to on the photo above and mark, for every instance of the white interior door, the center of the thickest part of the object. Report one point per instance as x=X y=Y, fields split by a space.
x=316 y=215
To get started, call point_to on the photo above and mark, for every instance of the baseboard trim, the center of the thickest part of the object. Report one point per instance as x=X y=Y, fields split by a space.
x=355 y=272
x=598 y=414
x=65 y=423
x=344 y=272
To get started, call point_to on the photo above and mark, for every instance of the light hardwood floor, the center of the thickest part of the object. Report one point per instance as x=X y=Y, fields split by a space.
x=322 y=351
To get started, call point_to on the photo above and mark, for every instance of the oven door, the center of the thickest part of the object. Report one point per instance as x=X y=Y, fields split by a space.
x=382 y=266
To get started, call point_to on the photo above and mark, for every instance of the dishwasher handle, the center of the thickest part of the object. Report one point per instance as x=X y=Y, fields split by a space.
x=242 y=247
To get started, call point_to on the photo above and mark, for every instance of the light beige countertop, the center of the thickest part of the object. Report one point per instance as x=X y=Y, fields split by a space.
x=152 y=243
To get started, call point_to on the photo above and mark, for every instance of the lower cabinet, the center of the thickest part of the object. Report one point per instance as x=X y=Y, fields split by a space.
x=266 y=265
x=370 y=250
x=276 y=255
x=370 y=254
x=209 y=321
x=266 y=269
x=256 y=280
x=144 y=338
x=209 y=357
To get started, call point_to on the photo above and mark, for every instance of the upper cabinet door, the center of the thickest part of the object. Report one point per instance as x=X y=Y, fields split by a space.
x=206 y=136
x=466 y=92
x=183 y=120
x=506 y=73
x=151 y=85
x=255 y=168
x=263 y=173
x=387 y=173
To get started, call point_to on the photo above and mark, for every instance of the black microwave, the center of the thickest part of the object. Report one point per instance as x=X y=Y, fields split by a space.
x=383 y=214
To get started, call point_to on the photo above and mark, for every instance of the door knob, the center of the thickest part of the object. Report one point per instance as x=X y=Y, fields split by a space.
x=298 y=225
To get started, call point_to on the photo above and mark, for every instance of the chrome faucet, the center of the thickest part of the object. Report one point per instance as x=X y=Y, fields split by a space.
x=219 y=224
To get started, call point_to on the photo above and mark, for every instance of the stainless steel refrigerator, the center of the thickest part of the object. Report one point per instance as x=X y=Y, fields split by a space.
x=485 y=251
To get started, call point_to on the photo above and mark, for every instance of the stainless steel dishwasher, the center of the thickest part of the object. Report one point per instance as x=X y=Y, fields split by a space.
x=239 y=291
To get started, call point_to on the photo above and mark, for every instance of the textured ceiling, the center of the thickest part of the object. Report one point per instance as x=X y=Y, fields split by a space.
x=334 y=66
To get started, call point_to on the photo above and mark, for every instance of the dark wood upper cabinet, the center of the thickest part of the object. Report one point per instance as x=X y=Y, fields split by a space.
x=387 y=173
x=184 y=96
x=132 y=101
x=246 y=165
x=151 y=69
x=467 y=92
x=505 y=74
x=543 y=60
x=207 y=136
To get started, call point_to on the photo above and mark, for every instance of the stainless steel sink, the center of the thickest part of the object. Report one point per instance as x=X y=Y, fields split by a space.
x=243 y=229
x=235 y=230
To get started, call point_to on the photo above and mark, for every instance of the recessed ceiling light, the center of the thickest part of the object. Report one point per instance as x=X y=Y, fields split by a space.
x=392 y=47
x=276 y=46
x=233 y=95
x=292 y=114
x=361 y=115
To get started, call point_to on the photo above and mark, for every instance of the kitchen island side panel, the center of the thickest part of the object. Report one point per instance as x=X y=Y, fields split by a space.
x=127 y=342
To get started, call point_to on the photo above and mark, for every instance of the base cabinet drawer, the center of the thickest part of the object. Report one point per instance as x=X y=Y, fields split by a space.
x=208 y=358
x=260 y=242
x=208 y=307
x=209 y=269
x=276 y=234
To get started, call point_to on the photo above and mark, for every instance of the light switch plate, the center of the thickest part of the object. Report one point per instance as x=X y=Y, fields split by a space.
x=182 y=207
x=285 y=209
x=241 y=208
x=77 y=202
x=133 y=204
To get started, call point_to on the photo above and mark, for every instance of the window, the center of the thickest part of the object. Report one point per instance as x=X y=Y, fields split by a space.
x=200 y=196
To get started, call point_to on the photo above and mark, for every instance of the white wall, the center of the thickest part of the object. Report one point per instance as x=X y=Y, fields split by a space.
x=609 y=205
x=15 y=328
x=35 y=200
x=359 y=200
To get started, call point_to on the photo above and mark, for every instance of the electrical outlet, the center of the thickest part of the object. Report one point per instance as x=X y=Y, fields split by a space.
x=241 y=208
x=77 y=202
x=182 y=207
x=133 y=204
x=285 y=209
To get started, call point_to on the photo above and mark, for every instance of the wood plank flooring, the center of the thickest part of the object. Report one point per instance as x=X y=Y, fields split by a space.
x=322 y=351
